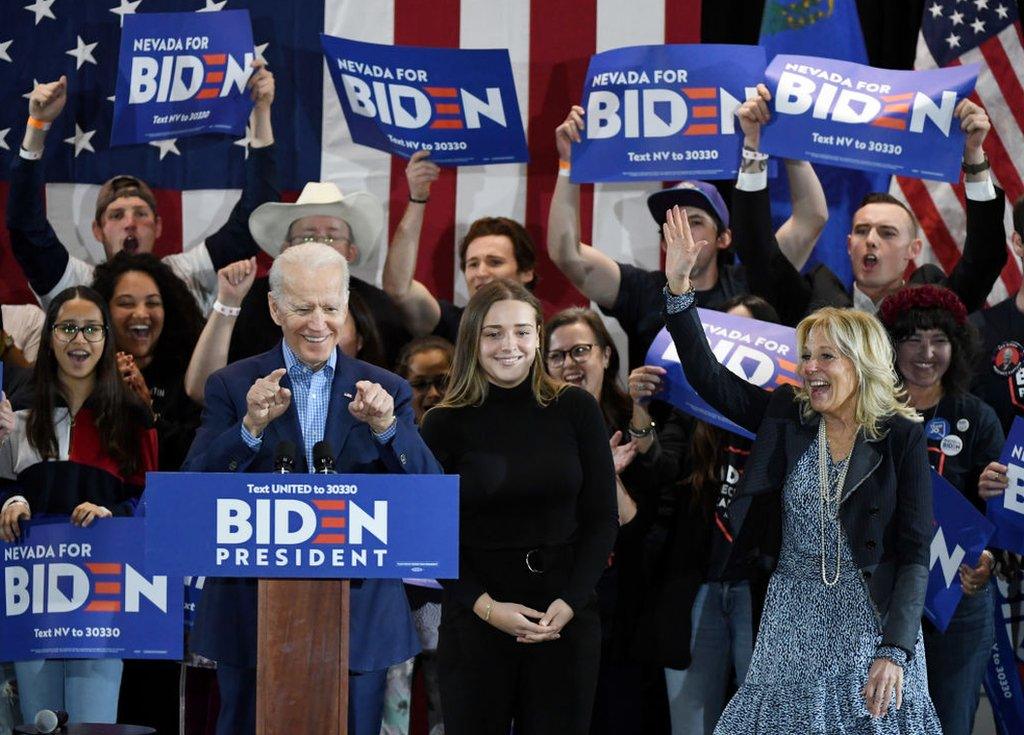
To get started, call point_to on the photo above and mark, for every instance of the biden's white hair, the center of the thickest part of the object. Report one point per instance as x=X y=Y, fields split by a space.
x=309 y=257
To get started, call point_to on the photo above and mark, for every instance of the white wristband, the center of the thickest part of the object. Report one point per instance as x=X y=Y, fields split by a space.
x=12 y=500
x=226 y=310
x=749 y=155
x=30 y=155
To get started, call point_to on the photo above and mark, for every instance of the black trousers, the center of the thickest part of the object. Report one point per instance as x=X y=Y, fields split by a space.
x=488 y=680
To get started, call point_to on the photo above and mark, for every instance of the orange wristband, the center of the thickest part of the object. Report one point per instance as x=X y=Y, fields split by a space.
x=38 y=124
x=564 y=165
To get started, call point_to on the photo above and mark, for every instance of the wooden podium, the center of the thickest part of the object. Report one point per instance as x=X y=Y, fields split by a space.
x=302 y=664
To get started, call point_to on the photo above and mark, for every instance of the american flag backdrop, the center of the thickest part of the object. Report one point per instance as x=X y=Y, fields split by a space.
x=985 y=32
x=197 y=179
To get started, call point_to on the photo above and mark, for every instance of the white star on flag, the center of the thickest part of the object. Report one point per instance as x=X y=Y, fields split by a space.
x=957 y=18
x=935 y=10
x=81 y=140
x=166 y=146
x=110 y=98
x=1002 y=11
x=260 y=49
x=83 y=52
x=28 y=94
x=212 y=6
x=981 y=4
x=3 y=139
x=244 y=142
x=4 y=56
x=42 y=9
x=127 y=7
x=978 y=25
x=953 y=40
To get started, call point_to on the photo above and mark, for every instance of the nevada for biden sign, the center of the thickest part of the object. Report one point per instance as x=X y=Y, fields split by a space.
x=182 y=74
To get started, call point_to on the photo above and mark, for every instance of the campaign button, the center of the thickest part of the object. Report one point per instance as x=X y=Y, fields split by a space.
x=952 y=445
x=963 y=425
x=937 y=429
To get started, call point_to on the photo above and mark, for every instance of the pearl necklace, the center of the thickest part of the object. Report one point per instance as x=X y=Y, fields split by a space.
x=829 y=499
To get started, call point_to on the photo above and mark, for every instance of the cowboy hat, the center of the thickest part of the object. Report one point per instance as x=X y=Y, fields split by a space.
x=363 y=212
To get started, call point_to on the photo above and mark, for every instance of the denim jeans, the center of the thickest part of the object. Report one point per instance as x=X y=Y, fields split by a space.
x=87 y=689
x=722 y=641
x=957 y=661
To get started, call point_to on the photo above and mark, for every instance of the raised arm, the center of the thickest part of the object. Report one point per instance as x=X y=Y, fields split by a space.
x=770 y=273
x=588 y=269
x=233 y=241
x=211 y=351
x=798 y=235
x=984 y=253
x=419 y=308
x=42 y=257
x=735 y=398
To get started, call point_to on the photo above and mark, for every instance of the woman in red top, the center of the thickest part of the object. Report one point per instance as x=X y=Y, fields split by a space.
x=81 y=450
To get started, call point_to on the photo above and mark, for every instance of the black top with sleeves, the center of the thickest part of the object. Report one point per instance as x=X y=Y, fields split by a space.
x=886 y=505
x=531 y=477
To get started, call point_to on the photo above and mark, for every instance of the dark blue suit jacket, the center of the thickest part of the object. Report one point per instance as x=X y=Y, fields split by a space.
x=382 y=632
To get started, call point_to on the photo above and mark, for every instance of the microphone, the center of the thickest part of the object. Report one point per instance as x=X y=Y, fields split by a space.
x=284 y=458
x=48 y=721
x=323 y=458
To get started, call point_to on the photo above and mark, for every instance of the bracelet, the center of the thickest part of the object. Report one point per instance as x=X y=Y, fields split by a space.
x=418 y=201
x=564 y=168
x=38 y=124
x=226 y=310
x=641 y=433
x=749 y=154
x=975 y=168
x=487 y=612
x=30 y=155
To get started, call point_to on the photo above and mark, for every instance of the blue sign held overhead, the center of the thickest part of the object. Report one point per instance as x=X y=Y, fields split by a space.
x=303 y=526
x=961 y=534
x=762 y=353
x=73 y=592
x=460 y=104
x=665 y=112
x=856 y=116
x=182 y=74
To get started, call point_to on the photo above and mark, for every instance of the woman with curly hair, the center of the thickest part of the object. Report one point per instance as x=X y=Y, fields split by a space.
x=155 y=324
x=935 y=348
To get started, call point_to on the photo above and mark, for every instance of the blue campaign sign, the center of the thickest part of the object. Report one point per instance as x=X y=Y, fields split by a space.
x=294 y=526
x=1006 y=666
x=460 y=104
x=665 y=112
x=856 y=116
x=182 y=74
x=73 y=592
x=1006 y=511
x=960 y=535
x=761 y=353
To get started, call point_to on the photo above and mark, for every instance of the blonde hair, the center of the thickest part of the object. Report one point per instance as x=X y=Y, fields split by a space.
x=468 y=384
x=863 y=340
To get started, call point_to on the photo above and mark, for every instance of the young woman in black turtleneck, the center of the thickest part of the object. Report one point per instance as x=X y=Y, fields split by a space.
x=520 y=636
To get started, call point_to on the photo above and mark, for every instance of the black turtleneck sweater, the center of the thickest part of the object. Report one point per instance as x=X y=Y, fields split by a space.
x=530 y=477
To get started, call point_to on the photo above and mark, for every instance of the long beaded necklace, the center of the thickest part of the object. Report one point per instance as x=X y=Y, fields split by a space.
x=828 y=506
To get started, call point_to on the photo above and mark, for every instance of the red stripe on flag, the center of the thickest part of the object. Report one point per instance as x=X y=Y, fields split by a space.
x=1005 y=76
x=1011 y=274
x=436 y=24
x=931 y=220
x=682 y=21
x=13 y=286
x=168 y=206
x=562 y=39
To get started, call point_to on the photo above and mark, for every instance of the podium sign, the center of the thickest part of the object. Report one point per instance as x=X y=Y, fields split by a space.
x=303 y=526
